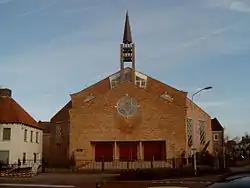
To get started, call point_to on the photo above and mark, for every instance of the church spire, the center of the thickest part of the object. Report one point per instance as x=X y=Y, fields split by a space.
x=127 y=37
x=127 y=50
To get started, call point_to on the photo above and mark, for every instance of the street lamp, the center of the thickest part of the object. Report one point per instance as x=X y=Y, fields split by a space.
x=205 y=88
x=193 y=147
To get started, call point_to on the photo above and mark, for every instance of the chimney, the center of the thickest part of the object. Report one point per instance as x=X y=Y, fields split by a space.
x=5 y=92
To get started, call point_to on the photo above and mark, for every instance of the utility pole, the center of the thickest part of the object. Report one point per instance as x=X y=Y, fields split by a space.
x=195 y=162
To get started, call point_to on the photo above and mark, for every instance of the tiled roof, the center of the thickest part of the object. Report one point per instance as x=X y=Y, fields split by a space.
x=12 y=112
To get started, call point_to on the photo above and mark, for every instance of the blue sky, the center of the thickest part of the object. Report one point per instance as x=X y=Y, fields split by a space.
x=51 y=48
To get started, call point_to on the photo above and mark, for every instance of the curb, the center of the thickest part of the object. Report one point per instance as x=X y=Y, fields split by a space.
x=180 y=182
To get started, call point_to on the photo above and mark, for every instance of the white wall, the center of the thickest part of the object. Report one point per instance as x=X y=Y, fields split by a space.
x=17 y=146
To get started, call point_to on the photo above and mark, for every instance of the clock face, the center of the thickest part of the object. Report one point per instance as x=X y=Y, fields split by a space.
x=127 y=106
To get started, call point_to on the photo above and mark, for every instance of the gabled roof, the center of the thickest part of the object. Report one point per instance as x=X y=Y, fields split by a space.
x=102 y=86
x=216 y=126
x=161 y=87
x=12 y=112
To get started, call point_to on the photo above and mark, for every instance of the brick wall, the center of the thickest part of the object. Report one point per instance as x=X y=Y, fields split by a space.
x=59 y=151
x=156 y=119
x=195 y=113
x=98 y=120
x=217 y=144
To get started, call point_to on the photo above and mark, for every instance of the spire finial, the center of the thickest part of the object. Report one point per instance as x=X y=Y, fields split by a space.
x=127 y=37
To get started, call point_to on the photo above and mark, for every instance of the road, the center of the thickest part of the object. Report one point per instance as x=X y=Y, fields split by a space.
x=108 y=185
x=53 y=180
x=89 y=181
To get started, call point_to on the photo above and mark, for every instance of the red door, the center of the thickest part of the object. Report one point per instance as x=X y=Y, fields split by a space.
x=104 y=151
x=128 y=151
x=154 y=150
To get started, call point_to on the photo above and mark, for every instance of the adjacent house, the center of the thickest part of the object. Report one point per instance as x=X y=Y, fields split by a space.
x=218 y=135
x=128 y=116
x=20 y=135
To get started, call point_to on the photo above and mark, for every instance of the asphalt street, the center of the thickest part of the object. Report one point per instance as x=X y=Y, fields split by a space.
x=109 y=185
x=89 y=181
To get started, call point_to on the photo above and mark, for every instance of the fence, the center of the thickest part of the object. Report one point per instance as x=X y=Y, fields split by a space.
x=122 y=165
x=24 y=168
x=21 y=164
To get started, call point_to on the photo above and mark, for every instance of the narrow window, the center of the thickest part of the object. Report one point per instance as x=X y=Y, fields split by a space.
x=31 y=136
x=190 y=132
x=24 y=158
x=25 y=135
x=58 y=134
x=202 y=132
x=6 y=133
x=34 y=157
x=37 y=137
x=216 y=137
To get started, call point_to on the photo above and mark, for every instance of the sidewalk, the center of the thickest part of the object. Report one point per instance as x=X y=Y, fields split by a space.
x=238 y=169
x=200 y=179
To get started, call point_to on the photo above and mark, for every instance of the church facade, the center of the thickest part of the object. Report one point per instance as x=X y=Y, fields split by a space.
x=127 y=116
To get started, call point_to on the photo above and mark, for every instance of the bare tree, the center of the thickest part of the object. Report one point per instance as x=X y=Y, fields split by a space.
x=236 y=139
x=246 y=135
x=226 y=138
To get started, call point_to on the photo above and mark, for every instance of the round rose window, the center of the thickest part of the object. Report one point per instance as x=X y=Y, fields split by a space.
x=127 y=106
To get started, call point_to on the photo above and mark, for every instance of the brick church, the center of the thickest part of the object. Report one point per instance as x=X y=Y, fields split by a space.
x=127 y=116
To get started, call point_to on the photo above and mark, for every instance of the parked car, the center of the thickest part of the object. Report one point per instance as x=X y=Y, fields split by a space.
x=234 y=180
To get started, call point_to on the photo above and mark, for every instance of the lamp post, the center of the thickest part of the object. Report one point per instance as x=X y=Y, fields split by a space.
x=205 y=88
x=193 y=147
x=223 y=148
x=174 y=147
x=194 y=153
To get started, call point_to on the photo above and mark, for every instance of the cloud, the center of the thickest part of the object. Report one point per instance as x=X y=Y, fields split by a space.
x=206 y=37
x=234 y=5
x=5 y=1
x=39 y=9
x=73 y=61
x=213 y=104
x=240 y=7
x=81 y=9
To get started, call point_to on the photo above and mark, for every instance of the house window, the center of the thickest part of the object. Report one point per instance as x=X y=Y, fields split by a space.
x=140 y=82
x=202 y=132
x=167 y=97
x=25 y=135
x=216 y=137
x=89 y=98
x=35 y=156
x=6 y=133
x=31 y=136
x=24 y=158
x=114 y=82
x=37 y=137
